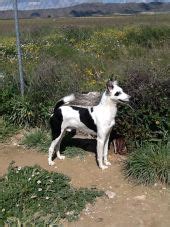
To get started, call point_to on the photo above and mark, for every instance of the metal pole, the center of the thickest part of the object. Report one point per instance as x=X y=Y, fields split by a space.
x=18 y=47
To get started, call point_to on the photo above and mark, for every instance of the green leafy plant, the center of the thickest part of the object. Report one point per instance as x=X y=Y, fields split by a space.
x=22 y=111
x=32 y=195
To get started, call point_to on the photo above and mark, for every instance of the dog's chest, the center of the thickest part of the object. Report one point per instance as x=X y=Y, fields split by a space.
x=104 y=117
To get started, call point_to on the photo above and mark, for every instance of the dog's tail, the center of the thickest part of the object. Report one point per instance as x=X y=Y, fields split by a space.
x=65 y=100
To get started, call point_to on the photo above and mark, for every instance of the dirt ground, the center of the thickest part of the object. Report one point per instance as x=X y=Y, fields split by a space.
x=132 y=206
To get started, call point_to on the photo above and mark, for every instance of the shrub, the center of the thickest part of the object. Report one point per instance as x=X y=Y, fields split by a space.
x=22 y=111
x=51 y=80
x=77 y=34
x=149 y=118
x=33 y=196
x=8 y=89
x=147 y=36
x=149 y=164
x=6 y=129
x=103 y=43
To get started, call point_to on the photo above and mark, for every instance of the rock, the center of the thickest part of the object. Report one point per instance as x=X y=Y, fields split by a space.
x=140 y=197
x=110 y=194
x=99 y=219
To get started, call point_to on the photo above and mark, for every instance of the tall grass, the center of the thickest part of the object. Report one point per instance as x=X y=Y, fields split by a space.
x=149 y=164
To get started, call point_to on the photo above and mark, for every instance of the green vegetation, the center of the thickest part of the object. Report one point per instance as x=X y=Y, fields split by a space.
x=41 y=140
x=72 y=152
x=37 y=138
x=6 y=130
x=132 y=49
x=149 y=164
x=32 y=195
x=137 y=55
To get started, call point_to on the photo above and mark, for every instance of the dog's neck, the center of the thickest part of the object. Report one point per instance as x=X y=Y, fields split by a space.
x=107 y=101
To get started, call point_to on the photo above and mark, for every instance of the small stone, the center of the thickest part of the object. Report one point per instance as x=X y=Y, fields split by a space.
x=99 y=219
x=140 y=197
x=110 y=194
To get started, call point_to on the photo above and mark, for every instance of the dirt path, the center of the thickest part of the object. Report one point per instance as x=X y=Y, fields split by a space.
x=132 y=206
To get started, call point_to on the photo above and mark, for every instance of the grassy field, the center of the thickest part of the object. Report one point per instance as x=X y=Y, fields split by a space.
x=7 y=26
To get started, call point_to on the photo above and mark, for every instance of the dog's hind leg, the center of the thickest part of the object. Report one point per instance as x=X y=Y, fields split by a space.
x=59 y=156
x=51 y=152
x=55 y=143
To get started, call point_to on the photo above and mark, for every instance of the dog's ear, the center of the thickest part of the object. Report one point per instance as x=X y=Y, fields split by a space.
x=115 y=82
x=109 y=86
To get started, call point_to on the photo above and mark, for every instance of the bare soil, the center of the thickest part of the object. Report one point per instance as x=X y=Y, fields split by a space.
x=132 y=206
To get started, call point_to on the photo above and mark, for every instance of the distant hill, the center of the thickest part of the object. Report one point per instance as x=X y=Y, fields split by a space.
x=91 y=9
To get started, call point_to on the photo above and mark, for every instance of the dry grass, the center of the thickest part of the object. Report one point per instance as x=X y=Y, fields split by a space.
x=7 y=26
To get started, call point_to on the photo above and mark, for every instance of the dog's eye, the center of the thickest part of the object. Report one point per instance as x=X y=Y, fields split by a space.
x=117 y=93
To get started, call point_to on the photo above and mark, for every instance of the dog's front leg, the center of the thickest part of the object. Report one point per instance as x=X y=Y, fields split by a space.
x=100 y=149
x=106 y=162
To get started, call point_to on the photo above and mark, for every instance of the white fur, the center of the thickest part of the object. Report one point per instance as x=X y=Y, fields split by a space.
x=104 y=117
x=69 y=98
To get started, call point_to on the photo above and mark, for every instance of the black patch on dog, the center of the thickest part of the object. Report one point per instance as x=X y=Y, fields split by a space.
x=55 y=123
x=91 y=109
x=85 y=117
x=59 y=103
x=117 y=93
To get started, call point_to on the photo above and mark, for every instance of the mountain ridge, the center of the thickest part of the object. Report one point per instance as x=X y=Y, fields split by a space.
x=91 y=9
x=55 y=4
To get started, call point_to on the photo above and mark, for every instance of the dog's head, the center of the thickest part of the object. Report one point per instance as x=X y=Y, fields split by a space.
x=115 y=92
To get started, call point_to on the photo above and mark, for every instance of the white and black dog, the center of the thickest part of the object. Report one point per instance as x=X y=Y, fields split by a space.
x=97 y=120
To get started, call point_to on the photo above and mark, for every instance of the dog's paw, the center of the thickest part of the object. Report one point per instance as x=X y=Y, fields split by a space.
x=61 y=157
x=103 y=167
x=107 y=163
x=51 y=163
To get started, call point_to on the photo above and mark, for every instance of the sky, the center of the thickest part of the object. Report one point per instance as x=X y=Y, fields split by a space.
x=44 y=4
